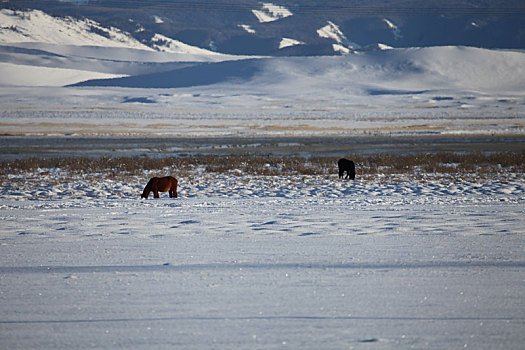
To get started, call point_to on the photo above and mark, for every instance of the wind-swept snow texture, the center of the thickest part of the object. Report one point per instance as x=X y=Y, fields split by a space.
x=262 y=262
x=431 y=90
x=37 y=26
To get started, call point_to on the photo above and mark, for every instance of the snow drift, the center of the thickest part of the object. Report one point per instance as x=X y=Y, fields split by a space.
x=378 y=72
x=299 y=262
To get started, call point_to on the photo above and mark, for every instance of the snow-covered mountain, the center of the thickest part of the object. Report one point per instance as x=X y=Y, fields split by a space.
x=397 y=71
x=270 y=12
x=33 y=39
x=251 y=27
x=83 y=62
x=35 y=26
x=37 y=49
x=75 y=50
x=333 y=32
x=38 y=27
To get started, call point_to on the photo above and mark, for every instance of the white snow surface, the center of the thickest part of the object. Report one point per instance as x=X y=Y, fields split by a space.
x=158 y=19
x=262 y=262
x=394 y=28
x=248 y=28
x=333 y=32
x=37 y=26
x=443 y=90
x=19 y=75
x=287 y=42
x=165 y=44
x=270 y=13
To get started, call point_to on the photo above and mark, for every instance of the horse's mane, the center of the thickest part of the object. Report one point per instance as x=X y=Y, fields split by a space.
x=151 y=181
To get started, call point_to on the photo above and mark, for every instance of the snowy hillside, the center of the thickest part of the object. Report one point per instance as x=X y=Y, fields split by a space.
x=89 y=65
x=332 y=31
x=41 y=50
x=270 y=12
x=36 y=39
x=39 y=27
x=438 y=90
x=401 y=71
x=251 y=27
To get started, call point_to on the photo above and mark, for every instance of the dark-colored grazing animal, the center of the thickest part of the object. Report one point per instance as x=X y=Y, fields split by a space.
x=348 y=166
x=160 y=184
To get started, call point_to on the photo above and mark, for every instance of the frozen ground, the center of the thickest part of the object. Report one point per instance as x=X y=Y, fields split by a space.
x=263 y=262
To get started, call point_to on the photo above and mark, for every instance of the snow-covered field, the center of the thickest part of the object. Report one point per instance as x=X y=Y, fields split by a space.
x=263 y=262
x=444 y=91
x=243 y=262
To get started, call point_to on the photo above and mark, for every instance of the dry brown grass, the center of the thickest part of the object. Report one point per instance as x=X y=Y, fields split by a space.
x=439 y=163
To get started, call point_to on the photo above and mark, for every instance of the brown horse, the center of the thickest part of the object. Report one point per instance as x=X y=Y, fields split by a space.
x=160 y=184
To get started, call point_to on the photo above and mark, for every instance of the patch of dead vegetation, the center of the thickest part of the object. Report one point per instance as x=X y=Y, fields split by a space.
x=446 y=164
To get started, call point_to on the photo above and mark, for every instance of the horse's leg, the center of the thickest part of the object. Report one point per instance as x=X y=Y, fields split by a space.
x=156 y=193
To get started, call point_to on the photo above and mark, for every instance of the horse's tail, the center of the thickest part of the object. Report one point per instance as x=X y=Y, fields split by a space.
x=173 y=187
